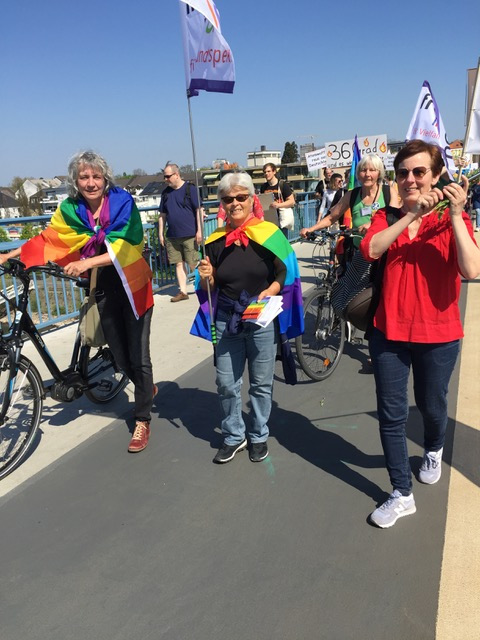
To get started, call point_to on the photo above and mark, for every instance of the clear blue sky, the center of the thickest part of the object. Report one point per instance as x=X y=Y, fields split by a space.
x=109 y=76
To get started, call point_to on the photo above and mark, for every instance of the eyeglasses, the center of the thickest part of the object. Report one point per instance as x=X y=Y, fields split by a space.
x=240 y=198
x=168 y=177
x=418 y=172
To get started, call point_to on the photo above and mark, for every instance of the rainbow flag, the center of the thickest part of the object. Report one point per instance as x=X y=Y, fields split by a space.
x=269 y=236
x=70 y=230
x=353 y=182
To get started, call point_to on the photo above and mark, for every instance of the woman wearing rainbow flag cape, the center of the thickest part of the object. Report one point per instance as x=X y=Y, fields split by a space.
x=247 y=259
x=99 y=226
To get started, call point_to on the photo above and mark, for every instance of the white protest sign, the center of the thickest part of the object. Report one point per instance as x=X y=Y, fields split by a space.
x=340 y=153
x=388 y=161
x=316 y=159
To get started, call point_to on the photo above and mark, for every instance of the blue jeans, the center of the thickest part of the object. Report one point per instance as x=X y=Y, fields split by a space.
x=432 y=366
x=259 y=347
x=477 y=217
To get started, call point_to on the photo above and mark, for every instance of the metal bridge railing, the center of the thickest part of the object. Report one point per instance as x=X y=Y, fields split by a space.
x=55 y=301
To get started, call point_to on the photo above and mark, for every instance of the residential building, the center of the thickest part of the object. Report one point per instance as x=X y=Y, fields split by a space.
x=52 y=197
x=258 y=158
x=9 y=207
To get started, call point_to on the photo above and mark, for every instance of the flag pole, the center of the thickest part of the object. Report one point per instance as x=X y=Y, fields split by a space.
x=213 y=330
x=476 y=88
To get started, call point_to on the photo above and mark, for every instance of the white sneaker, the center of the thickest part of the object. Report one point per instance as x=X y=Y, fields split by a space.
x=395 y=507
x=431 y=468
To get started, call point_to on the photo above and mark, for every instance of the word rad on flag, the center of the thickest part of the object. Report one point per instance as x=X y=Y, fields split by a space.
x=427 y=125
x=209 y=64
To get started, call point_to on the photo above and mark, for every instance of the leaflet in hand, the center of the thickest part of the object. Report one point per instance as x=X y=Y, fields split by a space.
x=263 y=312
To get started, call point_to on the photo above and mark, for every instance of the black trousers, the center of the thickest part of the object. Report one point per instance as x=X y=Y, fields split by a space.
x=129 y=340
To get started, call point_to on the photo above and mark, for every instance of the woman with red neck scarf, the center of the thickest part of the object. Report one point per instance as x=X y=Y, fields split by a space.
x=240 y=269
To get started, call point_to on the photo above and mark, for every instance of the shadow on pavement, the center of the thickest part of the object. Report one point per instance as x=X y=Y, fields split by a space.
x=324 y=449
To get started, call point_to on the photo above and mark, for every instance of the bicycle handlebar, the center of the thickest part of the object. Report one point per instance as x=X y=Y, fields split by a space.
x=323 y=234
x=18 y=269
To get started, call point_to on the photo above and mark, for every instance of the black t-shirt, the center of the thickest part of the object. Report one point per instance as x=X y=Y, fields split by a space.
x=285 y=190
x=320 y=188
x=252 y=268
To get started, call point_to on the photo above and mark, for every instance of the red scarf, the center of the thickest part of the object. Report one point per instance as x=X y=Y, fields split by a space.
x=238 y=233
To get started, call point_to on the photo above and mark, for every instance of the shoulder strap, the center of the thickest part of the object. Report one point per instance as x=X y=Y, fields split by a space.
x=186 y=195
x=386 y=194
x=353 y=196
x=392 y=215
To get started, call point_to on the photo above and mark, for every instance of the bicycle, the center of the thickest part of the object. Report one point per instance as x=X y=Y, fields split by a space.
x=320 y=347
x=92 y=371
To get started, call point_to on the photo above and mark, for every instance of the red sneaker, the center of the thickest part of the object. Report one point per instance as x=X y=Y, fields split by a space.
x=140 y=437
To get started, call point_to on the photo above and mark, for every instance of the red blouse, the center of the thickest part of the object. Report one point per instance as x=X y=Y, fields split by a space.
x=421 y=283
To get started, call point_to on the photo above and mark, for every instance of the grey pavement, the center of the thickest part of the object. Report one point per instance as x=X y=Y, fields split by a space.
x=164 y=544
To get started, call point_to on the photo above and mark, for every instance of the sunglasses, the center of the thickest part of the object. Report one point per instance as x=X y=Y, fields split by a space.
x=168 y=177
x=240 y=198
x=418 y=172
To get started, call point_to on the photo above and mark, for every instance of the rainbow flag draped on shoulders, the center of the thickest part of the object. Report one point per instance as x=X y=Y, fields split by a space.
x=70 y=230
x=269 y=236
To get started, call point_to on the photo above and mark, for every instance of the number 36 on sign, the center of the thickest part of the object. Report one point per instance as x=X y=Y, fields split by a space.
x=340 y=153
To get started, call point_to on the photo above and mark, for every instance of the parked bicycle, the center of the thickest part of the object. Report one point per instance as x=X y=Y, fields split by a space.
x=320 y=347
x=91 y=371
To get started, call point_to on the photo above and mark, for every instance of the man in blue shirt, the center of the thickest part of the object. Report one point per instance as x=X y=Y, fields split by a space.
x=180 y=210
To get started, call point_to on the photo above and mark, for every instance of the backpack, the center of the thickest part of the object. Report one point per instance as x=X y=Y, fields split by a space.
x=354 y=194
x=280 y=186
x=356 y=293
x=187 y=197
x=348 y=245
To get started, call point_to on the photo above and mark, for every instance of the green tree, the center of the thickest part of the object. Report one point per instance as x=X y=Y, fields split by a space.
x=29 y=231
x=290 y=153
x=4 y=237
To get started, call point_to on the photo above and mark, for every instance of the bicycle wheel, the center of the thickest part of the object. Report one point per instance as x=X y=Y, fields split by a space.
x=19 y=426
x=104 y=378
x=320 y=347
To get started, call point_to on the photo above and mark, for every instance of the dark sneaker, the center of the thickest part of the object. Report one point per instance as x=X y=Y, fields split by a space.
x=258 y=451
x=395 y=507
x=431 y=469
x=180 y=296
x=227 y=452
x=140 y=437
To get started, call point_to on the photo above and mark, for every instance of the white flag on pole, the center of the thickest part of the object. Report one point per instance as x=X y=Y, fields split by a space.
x=472 y=137
x=209 y=64
x=427 y=125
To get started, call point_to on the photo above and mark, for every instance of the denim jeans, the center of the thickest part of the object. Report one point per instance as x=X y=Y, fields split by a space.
x=258 y=346
x=477 y=218
x=432 y=366
x=129 y=341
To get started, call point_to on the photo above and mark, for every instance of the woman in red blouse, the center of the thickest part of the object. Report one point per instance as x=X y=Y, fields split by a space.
x=417 y=323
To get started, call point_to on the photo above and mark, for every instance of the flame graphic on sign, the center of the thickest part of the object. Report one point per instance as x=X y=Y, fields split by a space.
x=329 y=154
x=383 y=147
x=366 y=143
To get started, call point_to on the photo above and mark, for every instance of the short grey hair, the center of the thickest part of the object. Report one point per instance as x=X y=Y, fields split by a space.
x=89 y=159
x=236 y=179
x=375 y=161
x=174 y=167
